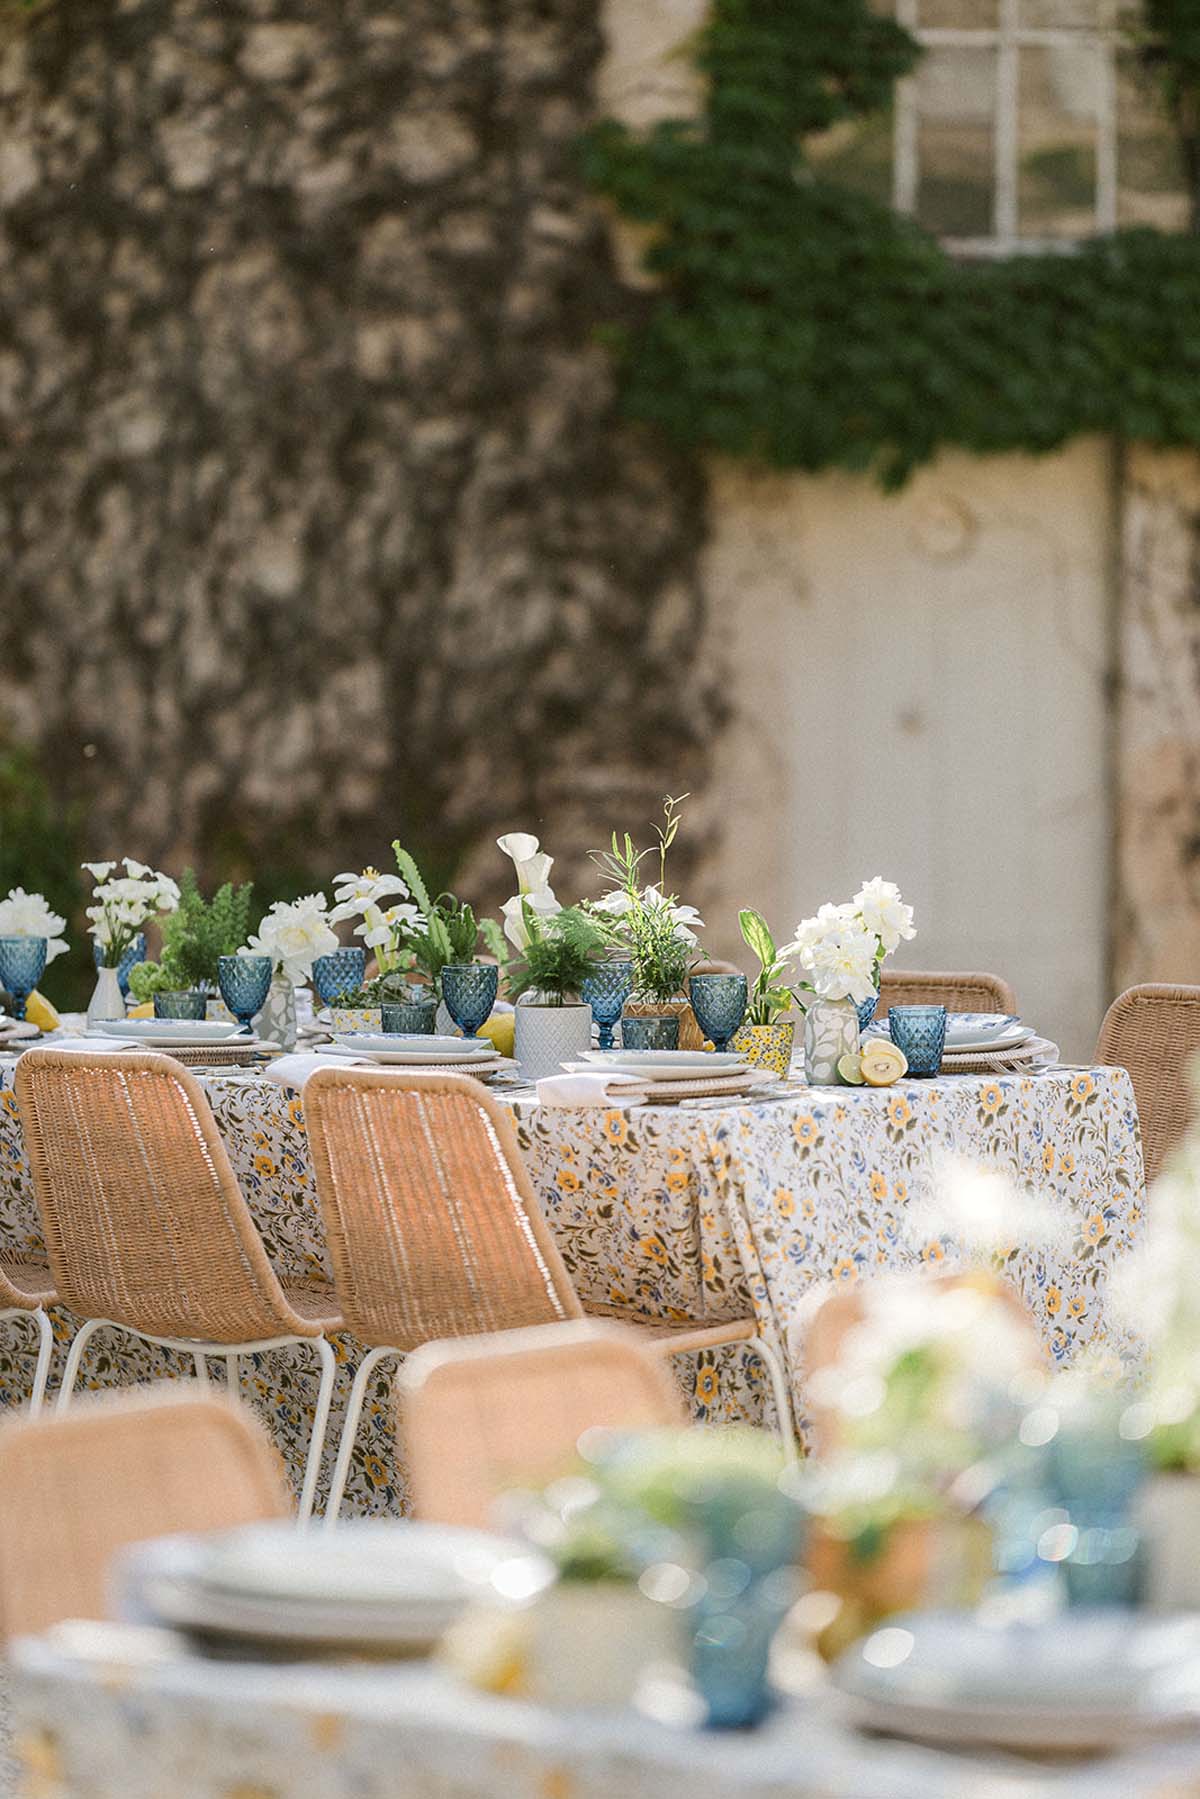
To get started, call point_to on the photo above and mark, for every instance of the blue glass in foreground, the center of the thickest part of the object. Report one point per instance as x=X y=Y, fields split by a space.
x=415 y=1015
x=719 y=1002
x=22 y=963
x=751 y=1540
x=469 y=990
x=920 y=1031
x=133 y=955
x=341 y=972
x=659 y=1032
x=245 y=982
x=606 y=991
x=189 y=1003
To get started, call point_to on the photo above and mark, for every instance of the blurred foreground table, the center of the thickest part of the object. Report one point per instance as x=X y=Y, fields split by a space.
x=102 y=1727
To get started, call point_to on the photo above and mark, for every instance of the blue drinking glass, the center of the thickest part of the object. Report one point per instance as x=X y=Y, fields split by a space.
x=719 y=1002
x=866 y=1008
x=412 y=1016
x=343 y=971
x=660 y=1031
x=605 y=991
x=245 y=982
x=188 y=1002
x=133 y=955
x=920 y=1031
x=469 y=990
x=22 y=962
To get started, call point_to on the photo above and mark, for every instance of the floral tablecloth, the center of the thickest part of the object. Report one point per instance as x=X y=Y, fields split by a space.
x=704 y=1213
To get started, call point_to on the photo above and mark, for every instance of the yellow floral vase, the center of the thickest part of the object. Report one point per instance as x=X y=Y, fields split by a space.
x=766 y=1045
x=356 y=1018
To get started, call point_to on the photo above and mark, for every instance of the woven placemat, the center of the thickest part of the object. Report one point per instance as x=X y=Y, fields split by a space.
x=1017 y=1060
x=219 y=1055
x=713 y=1086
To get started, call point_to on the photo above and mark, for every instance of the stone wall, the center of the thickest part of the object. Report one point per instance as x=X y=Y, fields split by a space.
x=318 y=525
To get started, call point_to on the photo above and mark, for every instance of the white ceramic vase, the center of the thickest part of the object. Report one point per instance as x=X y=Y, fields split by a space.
x=547 y=1036
x=591 y=1641
x=106 y=1002
x=1168 y=1516
x=276 y=1023
x=830 y=1032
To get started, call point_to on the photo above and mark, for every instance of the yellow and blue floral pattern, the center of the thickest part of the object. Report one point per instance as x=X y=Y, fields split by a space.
x=672 y=1213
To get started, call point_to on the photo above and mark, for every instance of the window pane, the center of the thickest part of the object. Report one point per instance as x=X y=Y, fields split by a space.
x=956 y=98
x=1062 y=15
x=1057 y=142
x=976 y=15
x=1151 y=189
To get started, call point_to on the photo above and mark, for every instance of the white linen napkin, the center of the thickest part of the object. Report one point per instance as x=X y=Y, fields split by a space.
x=294 y=1071
x=604 y=1088
x=92 y=1046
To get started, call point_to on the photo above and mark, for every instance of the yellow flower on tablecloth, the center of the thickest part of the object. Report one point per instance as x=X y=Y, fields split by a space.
x=264 y=1165
x=878 y=1185
x=567 y=1181
x=655 y=1249
x=1053 y=1301
x=1093 y=1230
x=1066 y=1162
x=708 y=1385
x=8 y=1100
x=678 y=1178
x=990 y=1100
x=845 y=1271
x=615 y=1126
x=804 y=1130
x=375 y=1471
x=808 y=1208
x=899 y=1111
x=1082 y=1087
x=260 y=1140
x=295 y=1111
x=933 y=1252
x=785 y=1201
x=1076 y=1306
x=1048 y=1158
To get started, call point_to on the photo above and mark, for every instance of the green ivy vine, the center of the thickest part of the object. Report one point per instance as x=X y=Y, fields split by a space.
x=807 y=326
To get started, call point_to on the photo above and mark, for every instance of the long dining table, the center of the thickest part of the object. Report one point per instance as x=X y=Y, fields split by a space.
x=700 y=1212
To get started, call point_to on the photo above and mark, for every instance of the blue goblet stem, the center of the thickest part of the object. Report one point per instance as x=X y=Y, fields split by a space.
x=22 y=963
x=340 y=972
x=605 y=990
x=245 y=982
x=719 y=1002
x=469 y=990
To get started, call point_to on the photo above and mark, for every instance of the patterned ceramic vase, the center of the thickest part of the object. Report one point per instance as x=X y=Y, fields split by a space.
x=830 y=1032
x=276 y=1023
x=766 y=1045
x=547 y=1036
x=356 y=1018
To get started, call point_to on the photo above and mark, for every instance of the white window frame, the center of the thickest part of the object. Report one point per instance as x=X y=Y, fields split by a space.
x=1008 y=38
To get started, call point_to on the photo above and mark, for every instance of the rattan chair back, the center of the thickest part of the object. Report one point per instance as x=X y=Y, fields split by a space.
x=957 y=992
x=145 y=1223
x=114 y=1471
x=432 y=1223
x=483 y=1416
x=1153 y=1031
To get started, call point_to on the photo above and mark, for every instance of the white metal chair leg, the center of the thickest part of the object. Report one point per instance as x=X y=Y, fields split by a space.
x=45 y=1351
x=83 y=1336
x=354 y=1406
x=201 y=1368
x=320 y=1426
x=233 y=1378
x=781 y=1391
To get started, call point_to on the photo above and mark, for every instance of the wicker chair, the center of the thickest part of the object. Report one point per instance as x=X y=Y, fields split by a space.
x=76 y=1490
x=146 y=1228
x=26 y=1289
x=434 y=1229
x=957 y=992
x=485 y=1413
x=1153 y=1031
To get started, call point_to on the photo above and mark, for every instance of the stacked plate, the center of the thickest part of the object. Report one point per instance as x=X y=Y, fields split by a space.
x=211 y=1041
x=430 y=1055
x=676 y=1074
x=390 y=1588
x=985 y=1041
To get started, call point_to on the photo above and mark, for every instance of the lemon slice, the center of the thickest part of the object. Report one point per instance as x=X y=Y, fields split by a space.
x=39 y=1011
x=850 y=1069
x=882 y=1063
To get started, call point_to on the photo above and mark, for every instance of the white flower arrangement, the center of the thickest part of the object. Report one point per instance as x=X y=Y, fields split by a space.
x=842 y=948
x=123 y=904
x=534 y=891
x=294 y=933
x=381 y=927
x=28 y=915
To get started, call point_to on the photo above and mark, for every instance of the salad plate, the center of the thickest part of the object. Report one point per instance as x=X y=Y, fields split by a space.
x=661 y=1064
x=414 y=1048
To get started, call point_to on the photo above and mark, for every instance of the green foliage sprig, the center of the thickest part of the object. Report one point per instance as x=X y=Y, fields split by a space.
x=560 y=954
x=449 y=931
x=770 y=996
x=645 y=926
x=806 y=326
x=193 y=938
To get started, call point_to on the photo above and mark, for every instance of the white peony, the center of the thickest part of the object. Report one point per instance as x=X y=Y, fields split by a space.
x=294 y=935
x=882 y=911
x=810 y=931
x=841 y=964
x=27 y=915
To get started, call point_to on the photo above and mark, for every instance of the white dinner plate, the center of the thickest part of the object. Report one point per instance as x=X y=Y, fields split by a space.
x=417 y=1049
x=188 y=1031
x=1009 y=1038
x=1087 y=1680
x=661 y=1064
x=403 y=1058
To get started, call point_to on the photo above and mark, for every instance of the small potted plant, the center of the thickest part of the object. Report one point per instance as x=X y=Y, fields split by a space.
x=194 y=938
x=122 y=905
x=657 y=934
x=553 y=1024
x=767 y=1036
x=441 y=943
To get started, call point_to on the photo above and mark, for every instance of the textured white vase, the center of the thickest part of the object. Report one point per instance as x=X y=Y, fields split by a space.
x=276 y=1023
x=549 y=1035
x=1168 y=1516
x=592 y=1641
x=106 y=1002
x=830 y=1032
